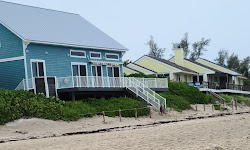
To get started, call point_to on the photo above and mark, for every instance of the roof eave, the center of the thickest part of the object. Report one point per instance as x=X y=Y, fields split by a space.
x=77 y=46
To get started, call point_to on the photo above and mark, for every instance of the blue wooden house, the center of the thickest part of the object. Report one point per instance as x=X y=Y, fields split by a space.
x=55 y=52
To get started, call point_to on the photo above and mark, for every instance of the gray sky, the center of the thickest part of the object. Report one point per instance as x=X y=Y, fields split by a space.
x=131 y=22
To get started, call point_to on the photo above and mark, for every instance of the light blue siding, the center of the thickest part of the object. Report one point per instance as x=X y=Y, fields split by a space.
x=11 y=74
x=58 y=60
x=11 y=45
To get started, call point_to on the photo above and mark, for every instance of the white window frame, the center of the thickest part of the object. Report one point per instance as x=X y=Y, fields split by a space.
x=79 y=63
x=113 y=71
x=45 y=76
x=112 y=58
x=96 y=57
x=96 y=70
x=78 y=51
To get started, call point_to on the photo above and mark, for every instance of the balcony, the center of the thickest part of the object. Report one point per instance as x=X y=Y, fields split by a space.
x=224 y=88
x=96 y=82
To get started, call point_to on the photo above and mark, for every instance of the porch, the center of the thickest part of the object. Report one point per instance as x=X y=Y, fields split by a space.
x=144 y=88
x=224 y=88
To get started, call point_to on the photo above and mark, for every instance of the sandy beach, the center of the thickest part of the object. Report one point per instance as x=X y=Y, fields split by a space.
x=226 y=132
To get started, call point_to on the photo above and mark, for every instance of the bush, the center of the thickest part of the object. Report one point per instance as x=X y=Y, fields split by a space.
x=118 y=103
x=17 y=104
x=239 y=98
x=176 y=102
x=140 y=75
x=192 y=94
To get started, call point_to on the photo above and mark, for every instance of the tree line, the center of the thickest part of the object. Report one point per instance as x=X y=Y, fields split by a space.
x=197 y=50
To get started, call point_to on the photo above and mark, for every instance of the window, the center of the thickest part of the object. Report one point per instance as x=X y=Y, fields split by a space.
x=77 y=53
x=95 y=55
x=37 y=68
x=96 y=71
x=112 y=56
x=79 y=70
x=113 y=72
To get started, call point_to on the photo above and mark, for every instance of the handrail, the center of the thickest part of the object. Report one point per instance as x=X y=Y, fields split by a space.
x=136 y=85
x=146 y=93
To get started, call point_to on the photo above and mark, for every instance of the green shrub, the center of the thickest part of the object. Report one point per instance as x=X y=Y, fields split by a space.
x=239 y=98
x=192 y=94
x=176 y=102
x=217 y=107
x=227 y=98
x=141 y=75
x=118 y=103
x=17 y=104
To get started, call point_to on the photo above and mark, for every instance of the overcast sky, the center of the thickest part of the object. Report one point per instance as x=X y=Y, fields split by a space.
x=131 y=22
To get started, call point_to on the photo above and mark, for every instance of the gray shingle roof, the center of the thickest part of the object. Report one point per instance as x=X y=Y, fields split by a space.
x=54 y=27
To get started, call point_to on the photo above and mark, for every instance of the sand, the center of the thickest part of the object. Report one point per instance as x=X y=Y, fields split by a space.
x=227 y=132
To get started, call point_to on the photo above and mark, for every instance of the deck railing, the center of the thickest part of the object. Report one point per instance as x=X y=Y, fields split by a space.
x=231 y=86
x=96 y=82
x=139 y=86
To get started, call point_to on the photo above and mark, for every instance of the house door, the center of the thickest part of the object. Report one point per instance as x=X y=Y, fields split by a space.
x=114 y=74
x=223 y=82
x=79 y=71
x=97 y=80
x=39 y=77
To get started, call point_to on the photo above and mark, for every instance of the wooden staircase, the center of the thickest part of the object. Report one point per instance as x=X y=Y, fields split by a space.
x=221 y=100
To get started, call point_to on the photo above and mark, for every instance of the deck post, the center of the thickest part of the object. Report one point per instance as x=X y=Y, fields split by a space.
x=103 y=113
x=135 y=113
x=120 y=115
x=73 y=96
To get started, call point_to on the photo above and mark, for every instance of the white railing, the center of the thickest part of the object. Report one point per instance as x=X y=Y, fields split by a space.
x=139 y=86
x=145 y=93
x=154 y=82
x=21 y=85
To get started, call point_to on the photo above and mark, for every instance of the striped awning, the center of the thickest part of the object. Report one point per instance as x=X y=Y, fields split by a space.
x=110 y=63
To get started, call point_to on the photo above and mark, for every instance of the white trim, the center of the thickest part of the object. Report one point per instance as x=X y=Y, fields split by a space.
x=81 y=51
x=11 y=30
x=79 y=63
x=113 y=71
x=12 y=59
x=25 y=44
x=79 y=46
x=96 y=70
x=95 y=53
x=45 y=75
x=111 y=54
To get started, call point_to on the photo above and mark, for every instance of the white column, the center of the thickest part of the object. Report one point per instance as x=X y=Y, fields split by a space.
x=205 y=78
x=171 y=75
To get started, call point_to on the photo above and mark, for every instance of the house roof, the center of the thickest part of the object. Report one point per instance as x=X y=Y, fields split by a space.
x=202 y=65
x=219 y=66
x=140 y=67
x=173 y=64
x=131 y=69
x=47 y=26
x=144 y=67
